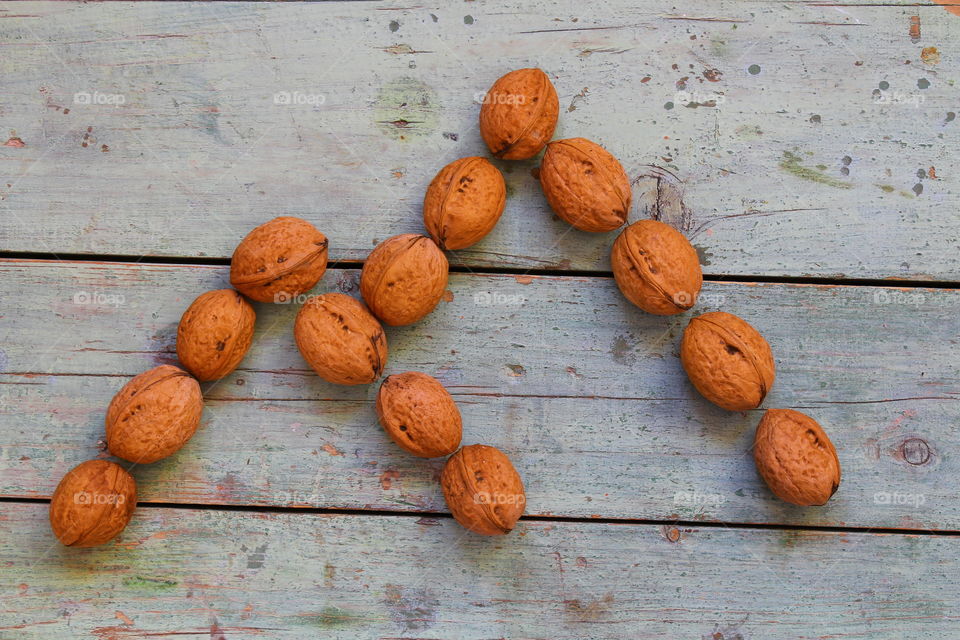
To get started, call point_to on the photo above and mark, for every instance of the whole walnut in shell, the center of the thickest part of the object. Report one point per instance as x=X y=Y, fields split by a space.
x=464 y=202
x=404 y=278
x=656 y=268
x=279 y=260
x=796 y=458
x=215 y=333
x=727 y=360
x=154 y=414
x=519 y=114
x=340 y=339
x=483 y=490
x=92 y=504
x=585 y=185
x=419 y=414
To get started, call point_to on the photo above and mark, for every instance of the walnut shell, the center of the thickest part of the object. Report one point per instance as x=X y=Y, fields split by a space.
x=92 y=504
x=519 y=114
x=279 y=260
x=215 y=333
x=404 y=278
x=482 y=489
x=419 y=414
x=585 y=185
x=340 y=339
x=796 y=458
x=727 y=360
x=464 y=202
x=656 y=268
x=154 y=414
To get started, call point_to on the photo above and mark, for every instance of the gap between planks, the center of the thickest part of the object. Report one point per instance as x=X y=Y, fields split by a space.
x=434 y=515
x=134 y=260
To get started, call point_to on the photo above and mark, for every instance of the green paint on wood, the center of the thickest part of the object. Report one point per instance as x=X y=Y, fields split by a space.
x=790 y=163
x=149 y=584
x=406 y=108
x=331 y=617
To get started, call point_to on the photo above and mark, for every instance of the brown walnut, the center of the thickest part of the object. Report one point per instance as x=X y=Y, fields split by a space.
x=464 y=202
x=585 y=185
x=404 y=278
x=154 y=414
x=419 y=414
x=340 y=339
x=519 y=114
x=215 y=333
x=279 y=260
x=92 y=504
x=727 y=360
x=796 y=458
x=656 y=268
x=482 y=489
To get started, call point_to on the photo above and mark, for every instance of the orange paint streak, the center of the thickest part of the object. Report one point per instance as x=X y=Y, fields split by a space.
x=915 y=27
x=332 y=450
x=159 y=535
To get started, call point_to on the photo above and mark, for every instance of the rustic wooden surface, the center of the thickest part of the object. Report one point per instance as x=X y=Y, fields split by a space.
x=562 y=373
x=790 y=140
x=214 y=574
x=797 y=148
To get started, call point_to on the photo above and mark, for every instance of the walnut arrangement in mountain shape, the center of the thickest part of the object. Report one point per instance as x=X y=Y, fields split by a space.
x=403 y=280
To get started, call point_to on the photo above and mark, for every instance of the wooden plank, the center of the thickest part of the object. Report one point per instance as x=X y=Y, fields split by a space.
x=254 y=575
x=584 y=393
x=799 y=169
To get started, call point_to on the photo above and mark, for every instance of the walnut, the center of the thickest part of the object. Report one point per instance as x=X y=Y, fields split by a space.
x=483 y=490
x=727 y=360
x=340 y=339
x=92 y=504
x=419 y=414
x=796 y=458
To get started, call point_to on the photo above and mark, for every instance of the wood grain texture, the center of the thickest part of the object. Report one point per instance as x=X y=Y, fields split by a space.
x=244 y=575
x=583 y=391
x=793 y=163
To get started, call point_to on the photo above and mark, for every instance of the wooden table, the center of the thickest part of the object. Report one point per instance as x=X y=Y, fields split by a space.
x=808 y=149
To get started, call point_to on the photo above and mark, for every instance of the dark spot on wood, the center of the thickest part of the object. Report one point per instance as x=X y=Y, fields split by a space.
x=915 y=451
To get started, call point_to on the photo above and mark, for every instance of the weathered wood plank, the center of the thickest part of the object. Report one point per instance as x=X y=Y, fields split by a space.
x=243 y=575
x=583 y=392
x=798 y=170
